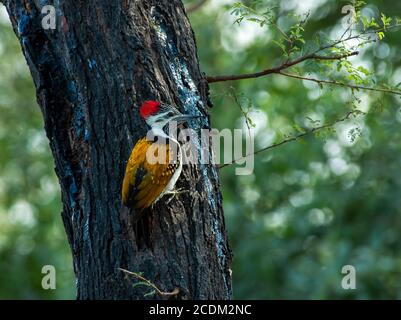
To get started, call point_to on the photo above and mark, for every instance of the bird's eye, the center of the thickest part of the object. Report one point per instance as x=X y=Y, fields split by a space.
x=170 y=114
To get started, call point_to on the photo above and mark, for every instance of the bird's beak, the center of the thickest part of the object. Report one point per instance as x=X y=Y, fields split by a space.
x=181 y=118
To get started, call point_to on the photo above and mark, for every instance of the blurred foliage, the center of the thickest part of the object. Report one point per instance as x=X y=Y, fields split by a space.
x=311 y=206
x=31 y=230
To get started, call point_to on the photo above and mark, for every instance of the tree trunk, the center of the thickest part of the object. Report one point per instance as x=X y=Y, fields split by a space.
x=91 y=73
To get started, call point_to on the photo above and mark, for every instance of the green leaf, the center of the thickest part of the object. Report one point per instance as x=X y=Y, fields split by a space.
x=365 y=71
x=385 y=20
x=297 y=128
x=140 y=283
x=149 y=294
x=373 y=23
x=365 y=22
x=280 y=45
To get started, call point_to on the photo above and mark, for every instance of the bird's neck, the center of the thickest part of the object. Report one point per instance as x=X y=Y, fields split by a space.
x=159 y=132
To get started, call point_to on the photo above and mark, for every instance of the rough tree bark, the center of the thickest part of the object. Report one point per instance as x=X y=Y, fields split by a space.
x=91 y=74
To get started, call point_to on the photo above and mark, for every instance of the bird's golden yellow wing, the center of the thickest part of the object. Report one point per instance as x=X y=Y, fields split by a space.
x=157 y=177
x=144 y=180
x=133 y=172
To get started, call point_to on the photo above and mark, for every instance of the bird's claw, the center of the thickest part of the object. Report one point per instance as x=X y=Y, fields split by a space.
x=174 y=193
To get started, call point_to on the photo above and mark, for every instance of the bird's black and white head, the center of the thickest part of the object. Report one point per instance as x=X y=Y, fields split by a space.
x=157 y=115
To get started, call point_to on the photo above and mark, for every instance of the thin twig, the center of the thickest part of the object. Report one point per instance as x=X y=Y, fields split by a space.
x=278 y=69
x=192 y=7
x=150 y=284
x=338 y=83
x=346 y=30
x=297 y=137
x=365 y=32
x=285 y=36
x=245 y=114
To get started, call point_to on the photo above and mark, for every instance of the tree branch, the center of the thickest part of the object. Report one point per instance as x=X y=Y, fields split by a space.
x=192 y=7
x=299 y=136
x=150 y=284
x=338 y=83
x=312 y=56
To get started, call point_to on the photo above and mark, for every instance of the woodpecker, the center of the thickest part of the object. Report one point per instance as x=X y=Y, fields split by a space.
x=146 y=182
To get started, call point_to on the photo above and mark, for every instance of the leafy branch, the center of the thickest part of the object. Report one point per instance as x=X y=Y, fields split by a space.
x=338 y=83
x=353 y=113
x=278 y=69
x=294 y=46
x=148 y=283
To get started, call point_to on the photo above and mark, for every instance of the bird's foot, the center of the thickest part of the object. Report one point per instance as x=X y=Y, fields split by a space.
x=174 y=193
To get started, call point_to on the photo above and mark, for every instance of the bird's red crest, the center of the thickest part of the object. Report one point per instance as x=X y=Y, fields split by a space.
x=149 y=108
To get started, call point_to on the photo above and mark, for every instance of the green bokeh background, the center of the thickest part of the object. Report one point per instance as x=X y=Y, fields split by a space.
x=310 y=207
